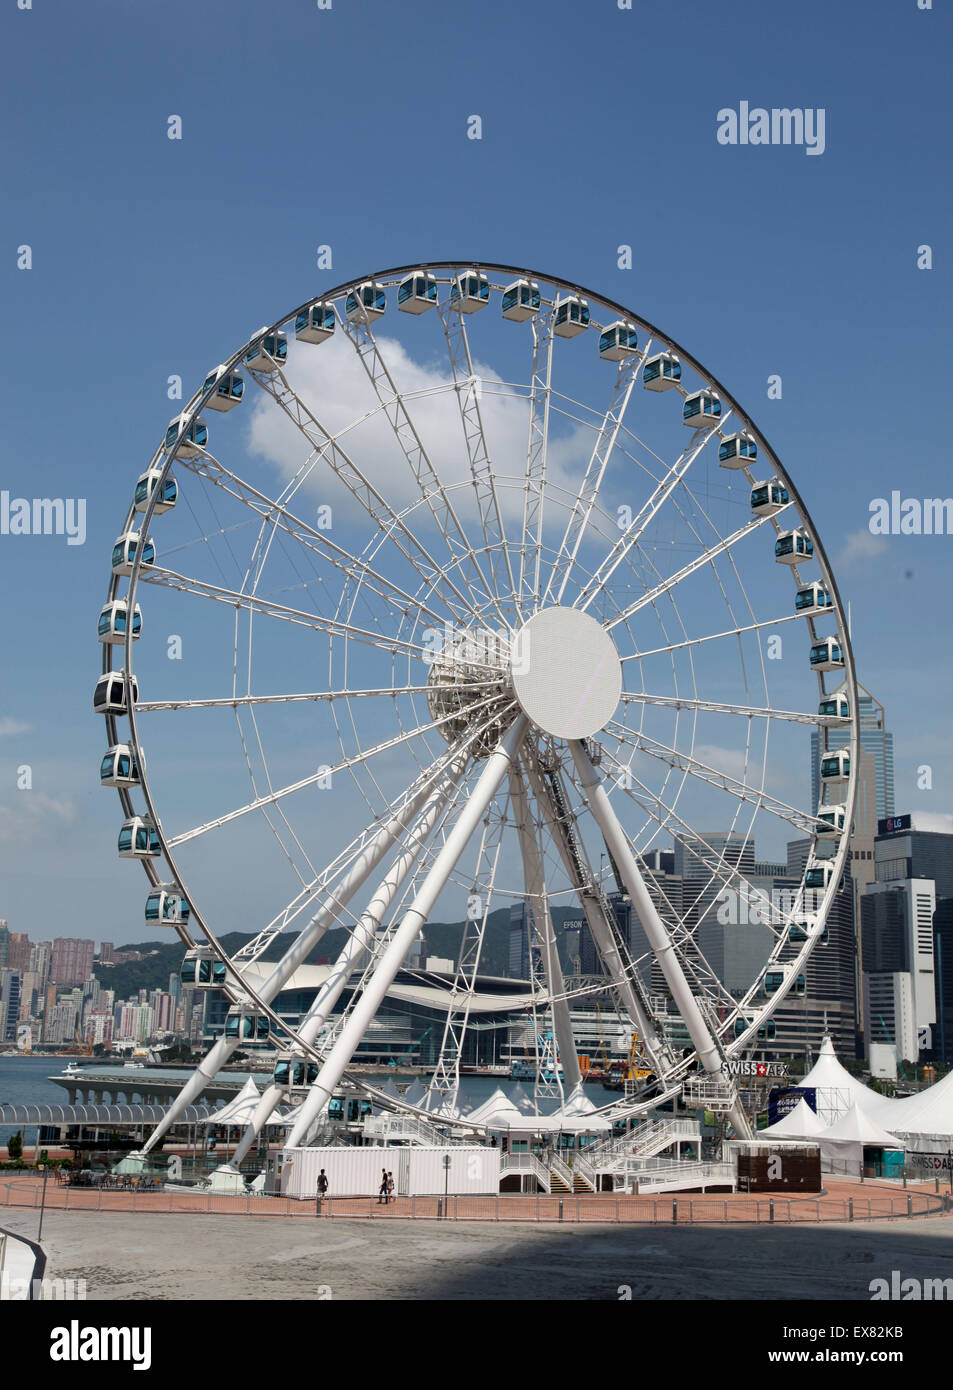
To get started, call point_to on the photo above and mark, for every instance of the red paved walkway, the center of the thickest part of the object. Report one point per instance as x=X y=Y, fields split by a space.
x=843 y=1200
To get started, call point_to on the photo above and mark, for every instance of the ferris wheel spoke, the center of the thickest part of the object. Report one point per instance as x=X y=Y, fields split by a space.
x=478 y=454
x=668 y=820
x=541 y=326
x=714 y=637
x=706 y=558
x=424 y=473
x=206 y=466
x=636 y=528
x=637 y=697
x=235 y=701
x=254 y=603
x=686 y=762
x=333 y=453
x=586 y=499
x=322 y=773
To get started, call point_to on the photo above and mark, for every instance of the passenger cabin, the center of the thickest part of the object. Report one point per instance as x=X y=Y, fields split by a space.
x=247 y=1025
x=769 y=498
x=348 y=1108
x=793 y=547
x=701 y=409
x=139 y=839
x=832 y=820
x=124 y=553
x=470 y=291
x=774 y=979
x=798 y=932
x=294 y=1073
x=618 y=341
x=835 y=707
x=109 y=696
x=766 y=1033
x=521 y=300
x=114 y=622
x=316 y=323
x=118 y=767
x=148 y=483
x=167 y=905
x=202 y=968
x=661 y=372
x=185 y=436
x=571 y=317
x=737 y=450
x=269 y=354
x=818 y=874
x=365 y=302
x=827 y=655
x=417 y=293
x=229 y=389
x=835 y=767
x=812 y=600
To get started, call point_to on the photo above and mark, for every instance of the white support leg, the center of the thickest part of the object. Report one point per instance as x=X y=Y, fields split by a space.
x=543 y=923
x=396 y=950
x=602 y=936
x=356 y=876
x=655 y=929
x=358 y=944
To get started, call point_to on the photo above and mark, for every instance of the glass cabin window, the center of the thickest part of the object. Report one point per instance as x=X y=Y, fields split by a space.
x=281 y=1073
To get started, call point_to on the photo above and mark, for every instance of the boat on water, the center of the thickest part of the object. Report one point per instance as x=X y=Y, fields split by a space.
x=526 y=1071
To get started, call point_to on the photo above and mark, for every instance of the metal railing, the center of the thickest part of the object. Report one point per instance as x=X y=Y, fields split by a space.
x=605 y=1209
x=648 y=1136
x=525 y=1163
x=657 y=1174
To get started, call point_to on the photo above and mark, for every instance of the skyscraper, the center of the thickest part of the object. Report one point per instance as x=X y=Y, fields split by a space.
x=72 y=961
x=874 y=739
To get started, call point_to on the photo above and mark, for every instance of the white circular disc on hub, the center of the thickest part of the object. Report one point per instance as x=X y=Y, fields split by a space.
x=566 y=672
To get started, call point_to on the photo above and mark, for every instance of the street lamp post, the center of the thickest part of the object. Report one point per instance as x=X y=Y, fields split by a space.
x=46 y=1172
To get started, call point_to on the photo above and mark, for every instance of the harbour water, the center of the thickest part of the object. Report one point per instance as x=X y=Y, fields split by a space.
x=24 y=1081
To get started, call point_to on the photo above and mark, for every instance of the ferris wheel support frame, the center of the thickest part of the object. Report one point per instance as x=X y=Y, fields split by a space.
x=655 y=930
x=357 y=947
x=357 y=875
x=413 y=920
x=542 y=924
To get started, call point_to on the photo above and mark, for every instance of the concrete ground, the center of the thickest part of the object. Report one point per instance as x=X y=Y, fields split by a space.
x=183 y=1256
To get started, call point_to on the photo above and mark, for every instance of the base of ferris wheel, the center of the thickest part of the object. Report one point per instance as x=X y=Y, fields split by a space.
x=690 y=1148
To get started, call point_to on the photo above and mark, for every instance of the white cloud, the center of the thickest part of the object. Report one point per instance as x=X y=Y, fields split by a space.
x=9 y=726
x=861 y=549
x=332 y=383
x=33 y=814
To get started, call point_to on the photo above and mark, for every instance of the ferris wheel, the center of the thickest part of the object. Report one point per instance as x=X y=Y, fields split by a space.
x=470 y=601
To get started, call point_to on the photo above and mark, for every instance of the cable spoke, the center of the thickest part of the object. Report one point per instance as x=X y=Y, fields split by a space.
x=709 y=555
x=478 y=454
x=714 y=637
x=326 y=772
x=421 y=466
x=535 y=484
x=626 y=378
x=634 y=531
x=714 y=707
x=234 y=701
x=686 y=762
x=333 y=453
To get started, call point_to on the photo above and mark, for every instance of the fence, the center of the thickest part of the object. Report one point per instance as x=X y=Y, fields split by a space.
x=867 y=1205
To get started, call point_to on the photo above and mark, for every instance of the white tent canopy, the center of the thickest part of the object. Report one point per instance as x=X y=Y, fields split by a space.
x=238 y=1111
x=836 y=1089
x=929 y=1113
x=799 y=1123
x=496 y=1113
x=857 y=1128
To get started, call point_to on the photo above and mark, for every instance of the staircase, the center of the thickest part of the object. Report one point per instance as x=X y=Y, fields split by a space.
x=645 y=1141
x=580 y=1179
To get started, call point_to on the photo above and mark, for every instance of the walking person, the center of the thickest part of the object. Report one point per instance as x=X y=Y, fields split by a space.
x=382 y=1190
x=390 y=1186
x=322 y=1188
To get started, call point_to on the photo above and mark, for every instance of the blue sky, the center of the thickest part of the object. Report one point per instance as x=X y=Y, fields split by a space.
x=347 y=127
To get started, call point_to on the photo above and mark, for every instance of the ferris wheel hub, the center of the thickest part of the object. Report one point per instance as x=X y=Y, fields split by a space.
x=566 y=672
